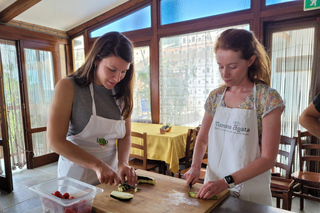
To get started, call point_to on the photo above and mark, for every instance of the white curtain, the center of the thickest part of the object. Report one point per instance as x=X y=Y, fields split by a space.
x=40 y=84
x=188 y=73
x=291 y=75
x=13 y=103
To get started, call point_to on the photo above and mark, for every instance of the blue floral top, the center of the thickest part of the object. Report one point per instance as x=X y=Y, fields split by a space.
x=267 y=99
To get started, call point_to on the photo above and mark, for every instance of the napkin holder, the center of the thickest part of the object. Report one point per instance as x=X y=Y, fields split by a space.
x=165 y=128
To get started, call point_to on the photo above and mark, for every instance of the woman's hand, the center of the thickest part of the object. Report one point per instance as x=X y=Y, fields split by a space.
x=192 y=175
x=107 y=174
x=127 y=171
x=212 y=188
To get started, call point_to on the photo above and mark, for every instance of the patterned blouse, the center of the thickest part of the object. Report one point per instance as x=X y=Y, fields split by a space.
x=267 y=99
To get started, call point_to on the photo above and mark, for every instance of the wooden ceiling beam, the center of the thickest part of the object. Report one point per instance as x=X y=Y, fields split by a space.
x=16 y=9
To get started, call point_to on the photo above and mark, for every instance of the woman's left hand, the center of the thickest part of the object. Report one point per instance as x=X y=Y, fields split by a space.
x=212 y=188
x=124 y=171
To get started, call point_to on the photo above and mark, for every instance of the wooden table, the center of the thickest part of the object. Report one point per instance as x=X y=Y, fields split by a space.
x=169 y=194
x=168 y=147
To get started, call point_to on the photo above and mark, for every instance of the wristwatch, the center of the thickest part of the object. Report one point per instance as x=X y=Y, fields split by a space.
x=229 y=180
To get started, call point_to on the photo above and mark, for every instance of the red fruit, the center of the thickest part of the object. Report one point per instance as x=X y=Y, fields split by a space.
x=57 y=194
x=71 y=197
x=68 y=210
x=66 y=195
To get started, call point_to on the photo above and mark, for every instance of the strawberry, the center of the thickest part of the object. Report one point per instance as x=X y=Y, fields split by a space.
x=57 y=194
x=69 y=210
x=66 y=195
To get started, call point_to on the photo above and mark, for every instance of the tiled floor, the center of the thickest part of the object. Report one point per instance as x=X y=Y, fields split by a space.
x=23 y=200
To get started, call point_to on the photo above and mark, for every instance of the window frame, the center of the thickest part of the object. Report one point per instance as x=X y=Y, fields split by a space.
x=258 y=16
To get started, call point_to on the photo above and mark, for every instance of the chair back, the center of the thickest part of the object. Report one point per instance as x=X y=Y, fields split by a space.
x=142 y=145
x=191 y=139
x=285 y=155
x=309 y=150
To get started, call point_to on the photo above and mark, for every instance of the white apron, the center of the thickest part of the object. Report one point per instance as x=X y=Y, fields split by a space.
x=97 y=128
x=233 y=144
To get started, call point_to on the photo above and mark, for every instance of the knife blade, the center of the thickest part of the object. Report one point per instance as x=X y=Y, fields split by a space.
x=190 y=185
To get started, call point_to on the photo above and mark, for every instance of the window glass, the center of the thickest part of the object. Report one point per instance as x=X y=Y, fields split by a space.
x=40 y=84
x=188 y=73
x=141 y=96
x=63 y=66
x=173 y=11
x=78 y=52
x=40 y=146
x=271 y=2
x=138 y=20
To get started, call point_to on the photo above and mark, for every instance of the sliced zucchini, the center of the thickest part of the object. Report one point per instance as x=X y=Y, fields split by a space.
x=146 y=179
x=194 y=195
x=122 y=196
x=123 y=187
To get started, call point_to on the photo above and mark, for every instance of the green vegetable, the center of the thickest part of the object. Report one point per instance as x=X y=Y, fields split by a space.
x=146 y=179
x=122 y=196
x=123 y=187
x=194 y=195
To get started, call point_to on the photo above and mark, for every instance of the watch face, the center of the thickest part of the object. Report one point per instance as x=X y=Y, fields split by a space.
x=229 y=179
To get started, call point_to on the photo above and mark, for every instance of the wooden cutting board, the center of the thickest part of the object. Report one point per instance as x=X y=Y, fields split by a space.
x=170 y=194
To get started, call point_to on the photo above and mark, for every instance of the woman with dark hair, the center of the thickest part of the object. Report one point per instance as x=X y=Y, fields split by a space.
x=91 y=110
x=241 y=125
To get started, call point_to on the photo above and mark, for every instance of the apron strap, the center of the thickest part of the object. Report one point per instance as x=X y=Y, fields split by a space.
x=92 y=96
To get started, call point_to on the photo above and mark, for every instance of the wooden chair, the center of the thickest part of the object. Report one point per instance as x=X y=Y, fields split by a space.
x=307 y=180
x=191 y=138
x=141 y=161
x=281 y=183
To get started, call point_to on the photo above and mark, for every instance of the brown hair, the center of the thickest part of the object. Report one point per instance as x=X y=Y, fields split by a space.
x=112 y=43
x=245 y=42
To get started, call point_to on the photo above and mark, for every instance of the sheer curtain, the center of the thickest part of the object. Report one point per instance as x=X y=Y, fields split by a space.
x=188 y=73
x=141 y=95
x=40 y=83
x=292 y=59
x=13 y=103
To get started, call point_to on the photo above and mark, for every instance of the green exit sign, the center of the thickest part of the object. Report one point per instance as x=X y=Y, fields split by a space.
x=311 y=4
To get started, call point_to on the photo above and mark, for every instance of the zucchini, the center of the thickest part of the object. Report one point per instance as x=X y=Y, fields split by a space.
x=194 y=195
x=146 y=179
x=122 y=196
x=123 y=187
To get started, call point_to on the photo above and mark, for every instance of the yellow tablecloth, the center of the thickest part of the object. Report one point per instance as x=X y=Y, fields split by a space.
x=168 y=147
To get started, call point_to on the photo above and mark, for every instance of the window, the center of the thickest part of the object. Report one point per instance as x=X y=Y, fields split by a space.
x=78 y=52
x=271 y=2
x=141 y=95
x=291 y=72
x=184 y=10
x=140 y=19
x=175 y=93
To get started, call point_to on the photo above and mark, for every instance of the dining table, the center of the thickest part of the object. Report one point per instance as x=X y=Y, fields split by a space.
x=168 y=147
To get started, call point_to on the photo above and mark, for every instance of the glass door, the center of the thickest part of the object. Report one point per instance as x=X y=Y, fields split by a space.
x=7 y=64
x=39 y=81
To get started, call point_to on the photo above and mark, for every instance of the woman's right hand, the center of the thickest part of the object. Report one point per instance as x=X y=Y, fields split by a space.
x=107 y=174
x=192 y=176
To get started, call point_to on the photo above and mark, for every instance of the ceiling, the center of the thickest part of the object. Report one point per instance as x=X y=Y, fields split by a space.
x=62 y=14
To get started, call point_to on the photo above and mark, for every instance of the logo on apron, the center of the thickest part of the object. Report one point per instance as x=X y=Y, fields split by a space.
x=102 y=141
